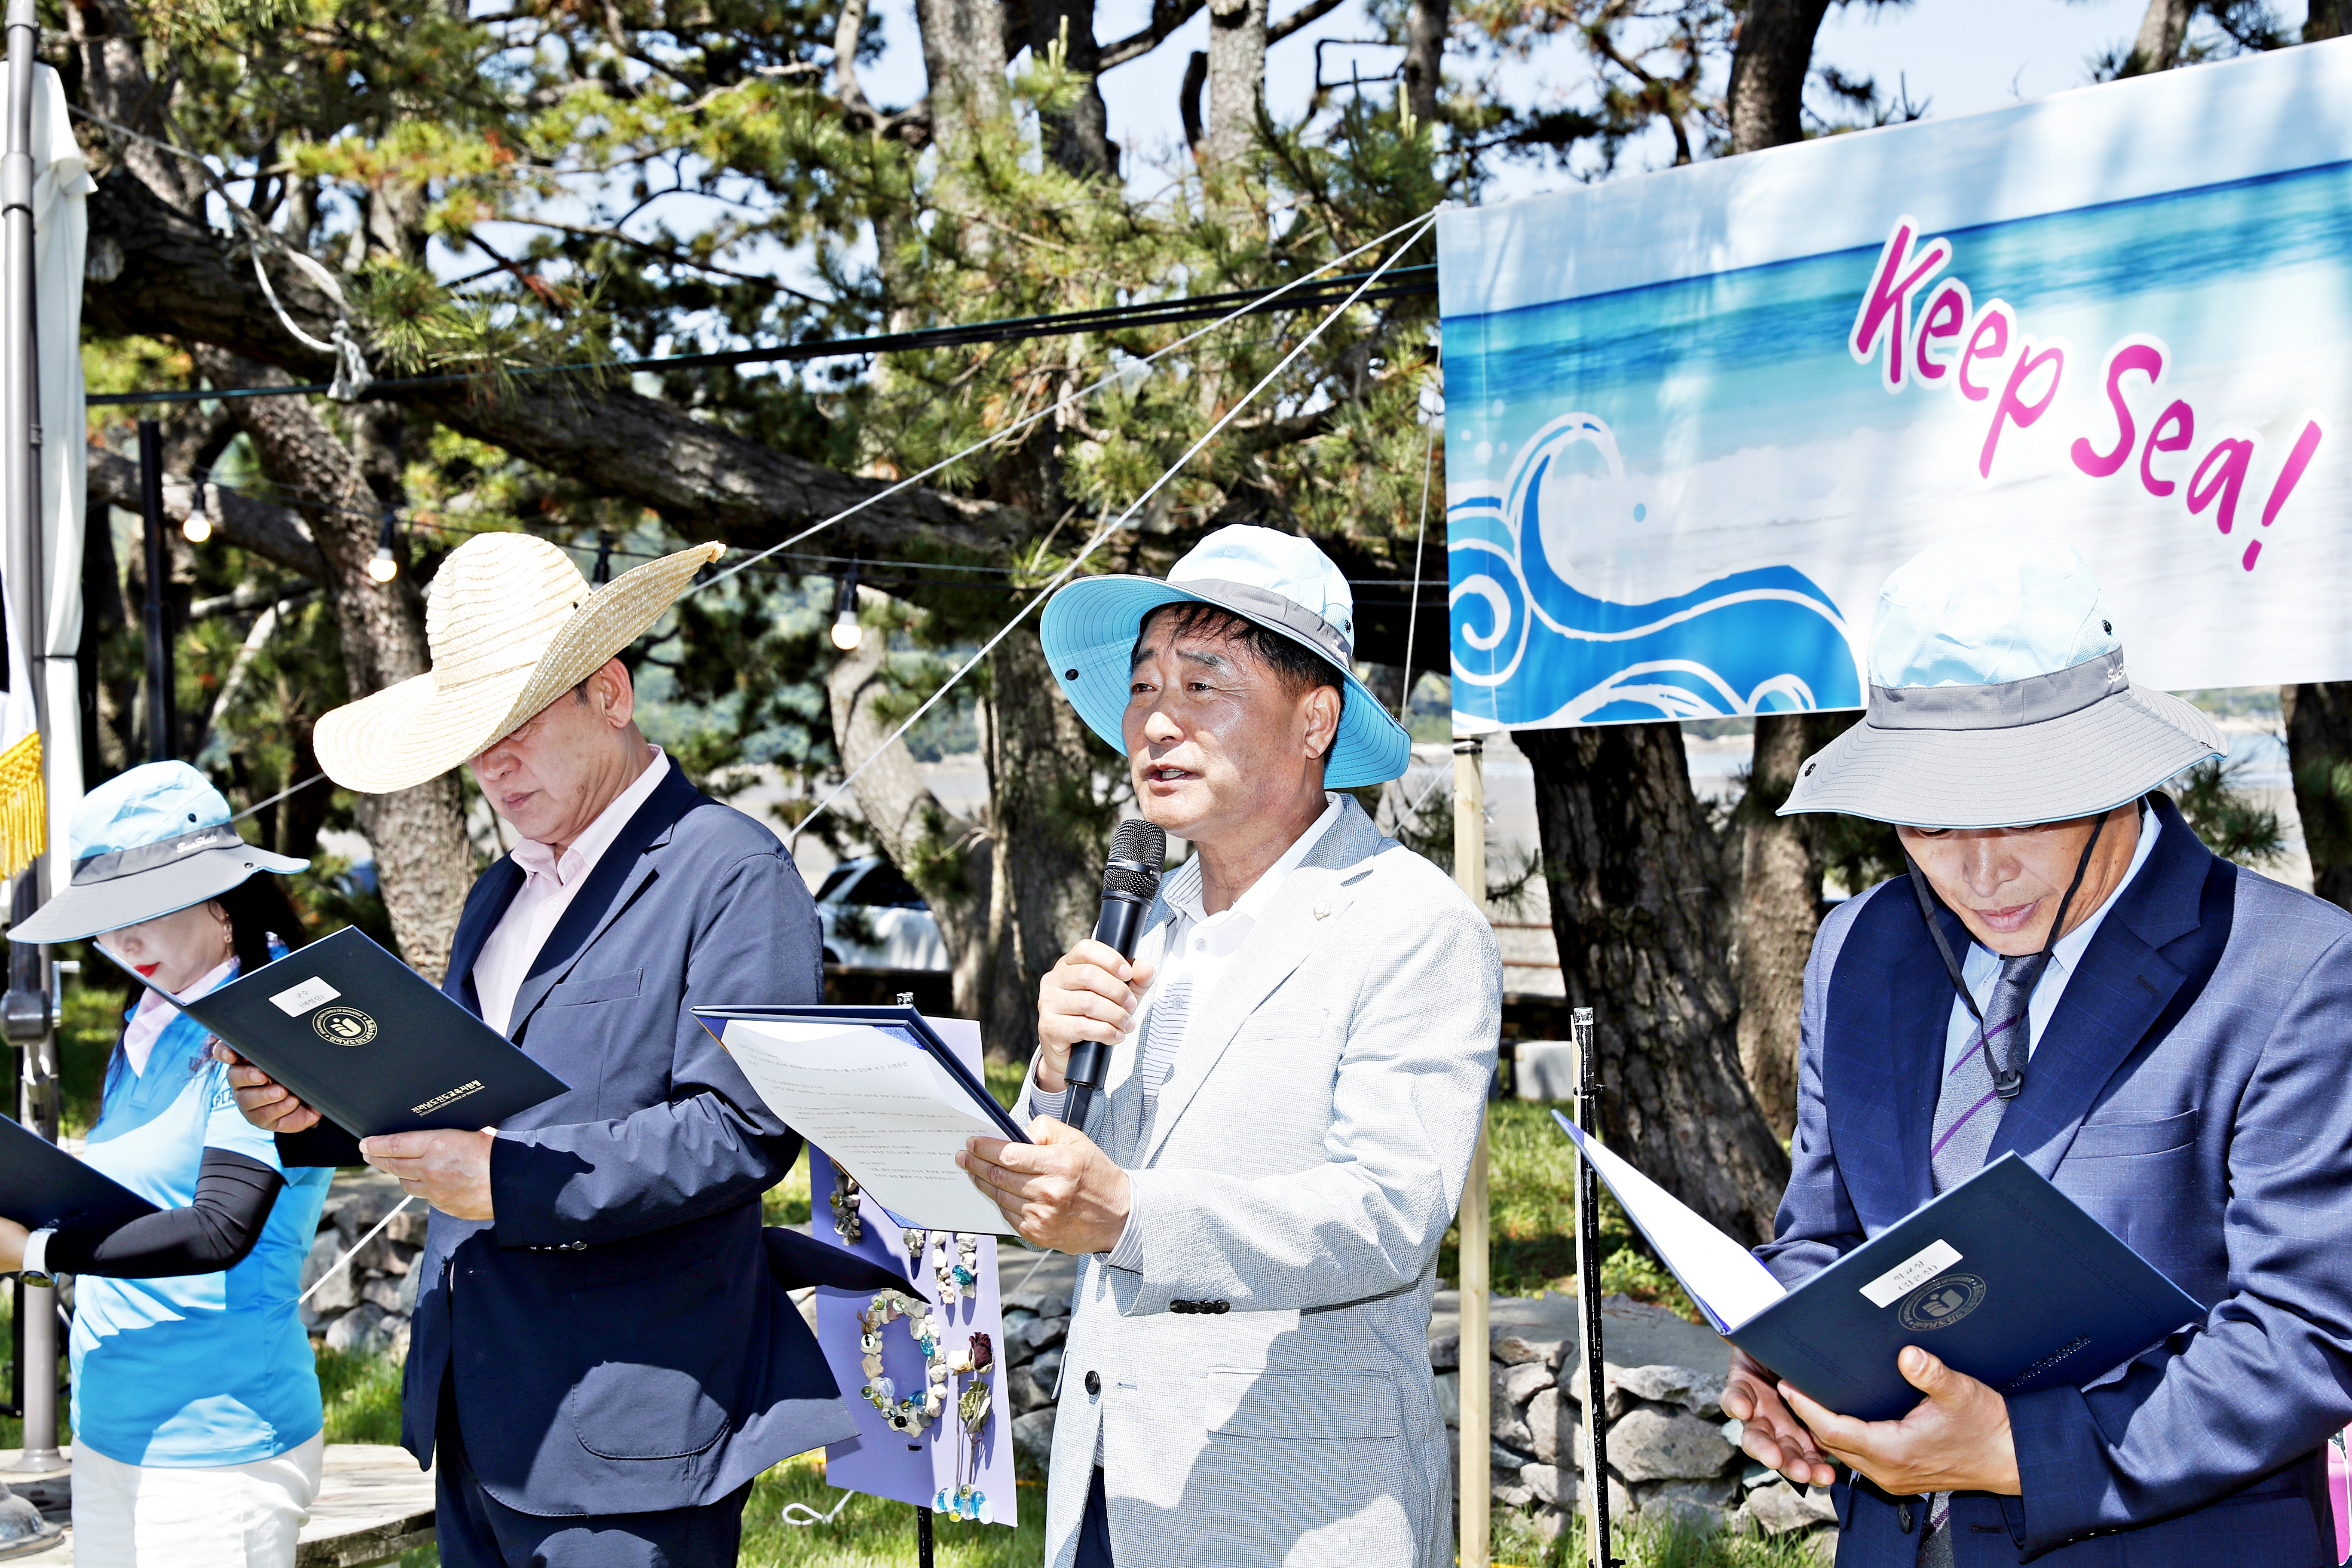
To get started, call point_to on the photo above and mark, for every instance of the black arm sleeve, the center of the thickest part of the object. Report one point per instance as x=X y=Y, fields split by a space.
x=324 y=1144
x=233 y=1193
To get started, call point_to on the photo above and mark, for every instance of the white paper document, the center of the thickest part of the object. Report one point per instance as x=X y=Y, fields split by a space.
x=1723 y=1277
x=883 y=1109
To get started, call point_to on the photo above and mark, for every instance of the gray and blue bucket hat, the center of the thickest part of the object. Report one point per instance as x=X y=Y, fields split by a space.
x=147 y=843
x=1999 y=698
x=1278 y=581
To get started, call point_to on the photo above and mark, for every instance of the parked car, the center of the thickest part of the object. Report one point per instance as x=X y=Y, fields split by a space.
x=875 y=919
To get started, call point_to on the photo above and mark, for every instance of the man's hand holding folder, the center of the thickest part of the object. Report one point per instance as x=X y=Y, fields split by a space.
x=449 y=1168
x=1956 y=1440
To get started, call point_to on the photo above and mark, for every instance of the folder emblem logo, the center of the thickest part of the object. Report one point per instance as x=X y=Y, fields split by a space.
x=1940 y=1304
x=344 y=1025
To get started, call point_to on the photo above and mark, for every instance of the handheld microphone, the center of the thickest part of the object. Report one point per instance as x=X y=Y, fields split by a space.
x=1130 y=881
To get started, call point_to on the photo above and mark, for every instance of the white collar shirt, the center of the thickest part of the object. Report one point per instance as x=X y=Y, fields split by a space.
x=1982 y=965
x=154 y=1015
x=549 y=884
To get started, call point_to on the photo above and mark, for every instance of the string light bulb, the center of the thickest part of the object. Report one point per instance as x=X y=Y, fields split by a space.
x=383 y=565
x=198 y=525
x=846 y=633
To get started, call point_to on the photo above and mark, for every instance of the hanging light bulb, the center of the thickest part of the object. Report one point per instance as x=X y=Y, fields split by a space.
x=198 y=527
x=383 y=565
x=846 y=633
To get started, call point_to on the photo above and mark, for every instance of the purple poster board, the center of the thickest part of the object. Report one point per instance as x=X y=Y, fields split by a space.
x=879 y=1461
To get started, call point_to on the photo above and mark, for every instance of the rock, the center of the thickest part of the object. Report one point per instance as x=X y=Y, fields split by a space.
x=1552 y=1486
x=1555 y=1425
x=409 y=1283
x=1653 y=1444
x=384 y=1292
x=1511 y=1497
x=1719 y=1494
x=403 y=1259
x=1034 y=1435
x=1674 y=1508
x=1549 y=1523
x=354 y=1332
x=1024 y=1392
x=1023 y=1341
x=1014 y=1318
x=377 y=1257
x=407 y=1228
x=1512 y=1350
x=1446 y=1352
x=1499 y=1458
x=1520 y=1383
x=1779 y=1508
x=1507 y=1428
x=1046 y=1368
x=339 y=1294
x=1700 y=1392
x=1038 y=1303
x=395 y=1335
x=1448 y=1386
x=358 y=1202
x=1619 y=1400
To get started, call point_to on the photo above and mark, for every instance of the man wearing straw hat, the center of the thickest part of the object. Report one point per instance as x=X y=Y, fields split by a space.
x=600 y=1354
x=2067 y=974
x=1301 y=1052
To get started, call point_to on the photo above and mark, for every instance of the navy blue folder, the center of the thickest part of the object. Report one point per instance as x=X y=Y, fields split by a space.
x=2004 y=1278
x=42 y=1186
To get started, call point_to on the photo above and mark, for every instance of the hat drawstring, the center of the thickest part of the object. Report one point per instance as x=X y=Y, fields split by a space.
x=2007 y=1082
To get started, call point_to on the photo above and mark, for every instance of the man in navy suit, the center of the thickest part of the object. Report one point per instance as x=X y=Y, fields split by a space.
x=600 y=1350
x=2066 y=972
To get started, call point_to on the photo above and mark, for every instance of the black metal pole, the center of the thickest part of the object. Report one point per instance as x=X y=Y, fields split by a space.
x=923 y=1536
x=1587 y=1289
x=162 y=719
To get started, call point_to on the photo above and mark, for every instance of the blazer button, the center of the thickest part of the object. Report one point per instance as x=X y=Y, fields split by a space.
x=1094 y=1383
x=1221 y=1307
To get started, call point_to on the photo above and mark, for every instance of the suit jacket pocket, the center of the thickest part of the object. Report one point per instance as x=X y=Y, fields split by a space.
x=659 y=1404
x=2113 y=1140
x=1278 y=1021
x=1301 y=1407
x=580 y=990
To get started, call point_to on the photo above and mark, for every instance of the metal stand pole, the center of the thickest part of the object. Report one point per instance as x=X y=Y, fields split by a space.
x=1588 y=1291
x=24 y=1010
x=162 y=698
x=1476 y=1479
x=923 y=1547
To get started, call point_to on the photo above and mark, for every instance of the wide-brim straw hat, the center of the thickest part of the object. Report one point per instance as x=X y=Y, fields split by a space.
x=512 y=625
x=1278 y=581
x=1999 y=698
x=147 y=843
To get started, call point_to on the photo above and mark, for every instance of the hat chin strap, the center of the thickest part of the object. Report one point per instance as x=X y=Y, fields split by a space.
x=2007 y=1082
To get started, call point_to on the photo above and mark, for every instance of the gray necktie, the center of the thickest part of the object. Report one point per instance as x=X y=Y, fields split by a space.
x=1967 y=1114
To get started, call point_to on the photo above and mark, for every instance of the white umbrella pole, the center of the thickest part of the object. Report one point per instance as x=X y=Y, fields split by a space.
x=24 y=1012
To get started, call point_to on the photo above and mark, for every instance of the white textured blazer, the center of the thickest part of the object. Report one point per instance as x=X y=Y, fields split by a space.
x=1305 y=1159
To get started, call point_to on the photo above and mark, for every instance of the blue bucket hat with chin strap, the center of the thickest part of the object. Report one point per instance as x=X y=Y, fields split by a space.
x=148 y=843
x=1277 y=581
x=1999 y=698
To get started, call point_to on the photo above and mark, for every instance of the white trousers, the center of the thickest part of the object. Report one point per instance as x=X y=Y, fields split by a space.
x=213 y=1516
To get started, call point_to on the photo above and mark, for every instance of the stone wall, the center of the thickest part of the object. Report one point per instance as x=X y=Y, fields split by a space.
x=364 y=1309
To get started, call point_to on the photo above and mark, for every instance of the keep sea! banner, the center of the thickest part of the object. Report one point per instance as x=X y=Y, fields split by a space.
x=1694 y=418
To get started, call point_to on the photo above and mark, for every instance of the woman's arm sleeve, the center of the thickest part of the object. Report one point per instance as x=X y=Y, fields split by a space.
x=233 y=1193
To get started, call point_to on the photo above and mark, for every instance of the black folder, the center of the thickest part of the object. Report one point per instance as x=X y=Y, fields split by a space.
x=42 y=1186
x=369 y=1042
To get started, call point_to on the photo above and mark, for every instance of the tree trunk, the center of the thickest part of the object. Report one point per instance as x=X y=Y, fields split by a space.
x=1425 y=26
x=2328 y=19
x=947 y=856
x=2319 y=756
x=963 y=57
x=1051 y=830
x=1635 y=907
x=424 y=862
x=1768 y=67
x=1236 y=86
x=1080 y=141
x=2161 y=33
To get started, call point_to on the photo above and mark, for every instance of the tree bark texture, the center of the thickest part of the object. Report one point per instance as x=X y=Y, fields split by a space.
x=963 y=58
x=1768 y=66
x=423 y=861
x=1050 y=834
x=946 y=856
x=1236 y=85
x=1636 y=907
x=2319 y=756
x=1079 y=141
x=1426 y=23
x=2162 y=30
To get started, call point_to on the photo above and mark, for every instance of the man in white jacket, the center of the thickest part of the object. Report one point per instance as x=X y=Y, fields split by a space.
x=1301 y=1051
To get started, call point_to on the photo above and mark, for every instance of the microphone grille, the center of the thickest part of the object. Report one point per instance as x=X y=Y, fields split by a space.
x=1138 y=852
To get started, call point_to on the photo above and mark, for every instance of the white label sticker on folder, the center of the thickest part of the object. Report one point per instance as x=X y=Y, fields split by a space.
x=301 y=998
x=1915 y=1270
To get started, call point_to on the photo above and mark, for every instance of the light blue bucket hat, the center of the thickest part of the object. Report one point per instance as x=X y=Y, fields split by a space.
x=147 y=843
x=1999 y=698
x=1277 y=581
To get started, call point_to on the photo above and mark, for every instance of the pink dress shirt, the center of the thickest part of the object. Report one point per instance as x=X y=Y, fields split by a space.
x=549 y=884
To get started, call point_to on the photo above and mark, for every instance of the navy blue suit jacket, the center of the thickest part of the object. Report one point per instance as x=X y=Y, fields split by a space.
x=618 y=1340
x=2189 y=1090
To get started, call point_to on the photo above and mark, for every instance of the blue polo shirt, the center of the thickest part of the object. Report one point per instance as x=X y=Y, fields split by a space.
x=199 y=1369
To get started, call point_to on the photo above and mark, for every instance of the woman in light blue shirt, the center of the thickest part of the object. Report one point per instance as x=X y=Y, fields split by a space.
x=197 y=1430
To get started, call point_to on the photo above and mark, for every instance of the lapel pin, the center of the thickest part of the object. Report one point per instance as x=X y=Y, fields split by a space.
x=1323 y=911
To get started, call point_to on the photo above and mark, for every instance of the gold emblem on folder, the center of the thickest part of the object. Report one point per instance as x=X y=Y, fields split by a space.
x=343 y=1025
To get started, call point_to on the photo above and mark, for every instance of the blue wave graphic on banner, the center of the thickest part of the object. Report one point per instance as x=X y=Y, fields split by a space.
x=1761 y=641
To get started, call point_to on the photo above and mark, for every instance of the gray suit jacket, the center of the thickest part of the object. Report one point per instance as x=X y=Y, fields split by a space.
x=1303 y=1164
